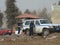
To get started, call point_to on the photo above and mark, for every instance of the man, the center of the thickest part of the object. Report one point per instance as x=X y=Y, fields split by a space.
x=19 y=27
x=31 y=28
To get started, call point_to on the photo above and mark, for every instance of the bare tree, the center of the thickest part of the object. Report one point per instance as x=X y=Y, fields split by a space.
x=34 y=12
x=27 y=11
x=44 y=14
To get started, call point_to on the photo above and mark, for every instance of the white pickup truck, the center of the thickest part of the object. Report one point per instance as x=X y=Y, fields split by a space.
x=42 y=26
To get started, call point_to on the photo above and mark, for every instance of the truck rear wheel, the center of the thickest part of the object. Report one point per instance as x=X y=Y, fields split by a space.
x=45 y=33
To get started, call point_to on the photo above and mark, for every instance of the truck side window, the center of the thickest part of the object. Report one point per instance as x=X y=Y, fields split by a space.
x=27 y=22
x=44 y=22
x=37 y=23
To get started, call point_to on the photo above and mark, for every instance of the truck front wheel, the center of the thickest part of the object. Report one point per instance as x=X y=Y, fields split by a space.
x=45 y=33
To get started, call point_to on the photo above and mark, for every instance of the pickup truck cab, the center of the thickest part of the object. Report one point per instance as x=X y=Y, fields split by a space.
x=42 y=26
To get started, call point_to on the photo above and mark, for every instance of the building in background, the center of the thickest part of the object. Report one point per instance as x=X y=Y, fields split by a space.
x=55 y=13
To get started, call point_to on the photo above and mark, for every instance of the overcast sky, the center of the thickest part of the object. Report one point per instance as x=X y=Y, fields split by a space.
x=30 y=4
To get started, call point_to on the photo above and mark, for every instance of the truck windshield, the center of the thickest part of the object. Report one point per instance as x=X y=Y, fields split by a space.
x=44 y=22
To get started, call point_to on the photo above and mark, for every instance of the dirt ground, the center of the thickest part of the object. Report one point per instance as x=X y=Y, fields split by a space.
x=52 y=39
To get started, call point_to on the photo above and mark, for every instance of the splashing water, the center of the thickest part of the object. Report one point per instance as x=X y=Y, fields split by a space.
x=4 y=20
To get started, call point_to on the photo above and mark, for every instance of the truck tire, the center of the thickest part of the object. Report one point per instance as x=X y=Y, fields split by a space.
x=45 y=33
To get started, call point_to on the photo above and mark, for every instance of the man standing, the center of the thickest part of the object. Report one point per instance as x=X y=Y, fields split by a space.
x=19 y=27
x=31 y=28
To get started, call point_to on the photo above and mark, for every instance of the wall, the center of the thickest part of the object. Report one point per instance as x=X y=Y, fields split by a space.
x=55 y=14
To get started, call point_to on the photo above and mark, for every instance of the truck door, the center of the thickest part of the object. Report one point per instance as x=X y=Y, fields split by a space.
x=37 y=27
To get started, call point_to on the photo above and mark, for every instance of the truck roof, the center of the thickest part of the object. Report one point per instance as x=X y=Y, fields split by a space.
x=35 y=19
x=32 y=19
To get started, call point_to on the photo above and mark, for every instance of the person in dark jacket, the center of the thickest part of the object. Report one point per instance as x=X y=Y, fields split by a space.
x=19 y=27
x=19 y=30
x=31 y=28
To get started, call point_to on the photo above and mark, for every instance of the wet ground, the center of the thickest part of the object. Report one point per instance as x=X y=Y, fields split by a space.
x=52 y=39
